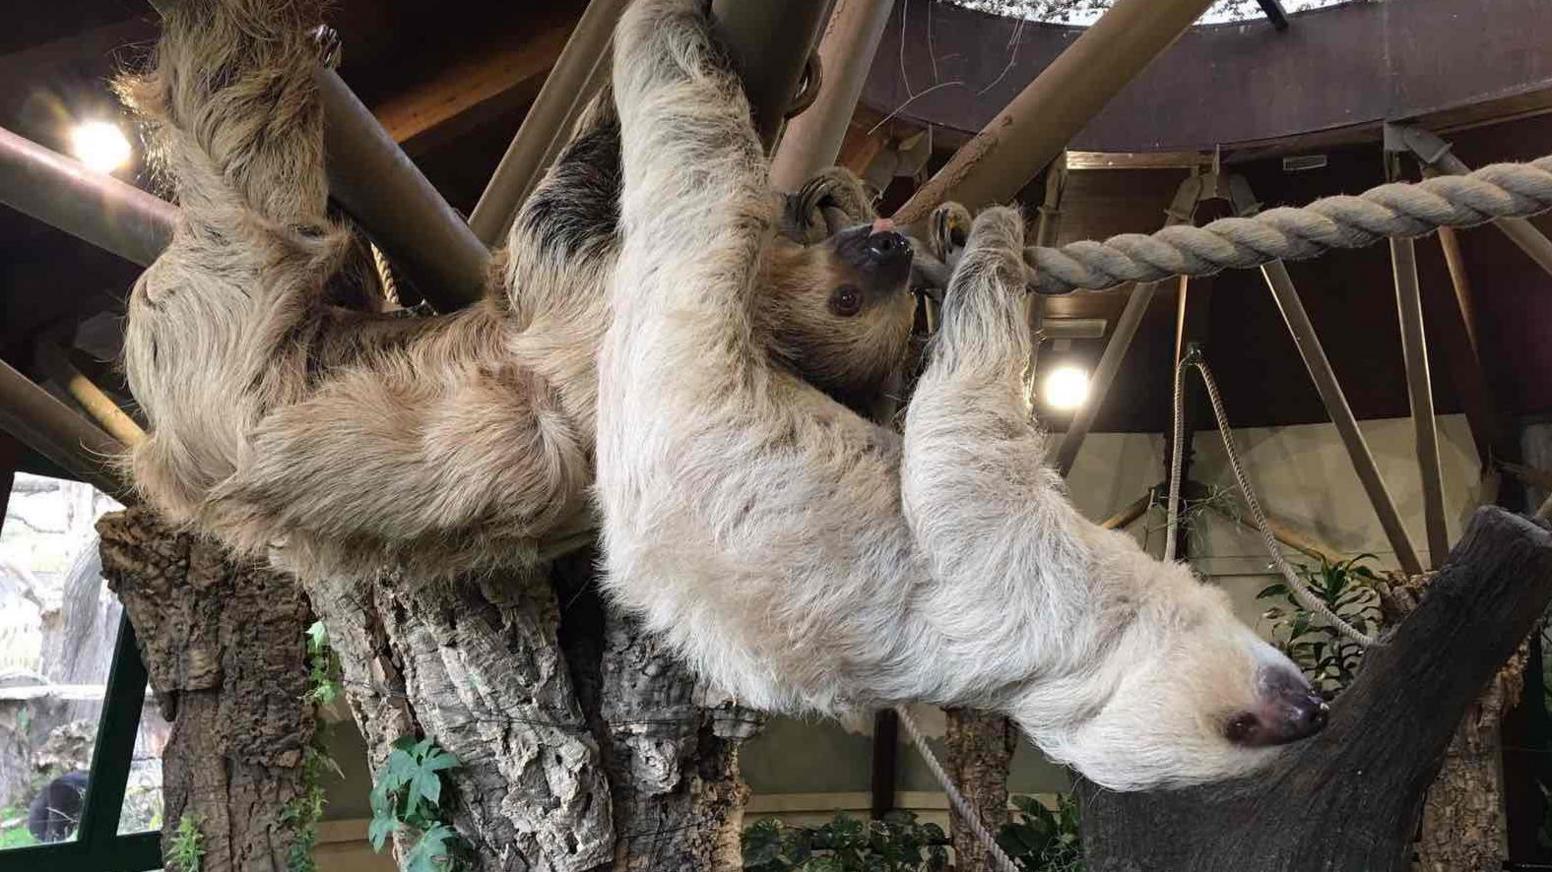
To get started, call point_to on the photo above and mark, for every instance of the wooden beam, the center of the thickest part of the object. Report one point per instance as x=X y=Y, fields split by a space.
x=432 y=110
x=1414 y=347
x=1341 y=414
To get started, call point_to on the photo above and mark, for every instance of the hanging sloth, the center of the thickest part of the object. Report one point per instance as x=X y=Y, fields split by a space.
x=337 y=440
x=805 y=558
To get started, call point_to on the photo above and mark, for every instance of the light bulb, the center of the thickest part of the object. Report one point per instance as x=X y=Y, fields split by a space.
x=100 y=145
x=1066 y=387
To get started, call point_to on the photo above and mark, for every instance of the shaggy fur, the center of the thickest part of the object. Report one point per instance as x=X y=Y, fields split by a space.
x=337 y=440
x=807 y=559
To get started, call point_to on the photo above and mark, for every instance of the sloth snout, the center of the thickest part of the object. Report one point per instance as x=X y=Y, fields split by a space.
x=1288 y=710
x=887 y=247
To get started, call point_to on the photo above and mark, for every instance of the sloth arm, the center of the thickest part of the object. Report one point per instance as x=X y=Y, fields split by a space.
x=990 y=516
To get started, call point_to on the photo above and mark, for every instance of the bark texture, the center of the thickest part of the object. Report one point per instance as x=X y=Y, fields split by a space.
x=224 y=645
x=475 y=665
x=669 y=743
x=583 y=747
x=1351 y=797
x=980 y=750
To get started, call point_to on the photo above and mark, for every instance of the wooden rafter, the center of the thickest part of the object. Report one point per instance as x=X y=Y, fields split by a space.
x=464 y=93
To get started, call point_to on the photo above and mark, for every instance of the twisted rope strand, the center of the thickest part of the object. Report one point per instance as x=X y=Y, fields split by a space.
x=967 y=813
x=1394 y=210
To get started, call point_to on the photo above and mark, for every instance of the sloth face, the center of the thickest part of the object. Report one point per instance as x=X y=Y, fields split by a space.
x=1196 y=697
x=839 y=312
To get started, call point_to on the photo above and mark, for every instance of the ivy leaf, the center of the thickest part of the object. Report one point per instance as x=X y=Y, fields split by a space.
x=381 y=829
x=317 y=638
x=430 y=852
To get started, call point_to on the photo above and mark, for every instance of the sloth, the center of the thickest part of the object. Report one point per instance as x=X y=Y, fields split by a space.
x=288 y=419
x=806 y=559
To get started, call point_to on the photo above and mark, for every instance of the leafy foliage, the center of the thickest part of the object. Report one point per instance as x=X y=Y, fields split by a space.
x=1040 y=840
x=896 y=843
x=303 y=813
x=186 y=849
x=323 y=667
x=1329 y=659
x=407 y=793
x=13 y=828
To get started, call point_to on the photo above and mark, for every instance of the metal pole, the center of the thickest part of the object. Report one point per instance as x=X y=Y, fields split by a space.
x=97 y=404
x=813 y=139
x=61 y=192
x=377 y=183
x=1104 y=374
x=1331 y=394
x=771 y=40
x=1414 y=347
x=565 y=92
x=1041 y=120
x=57 y=432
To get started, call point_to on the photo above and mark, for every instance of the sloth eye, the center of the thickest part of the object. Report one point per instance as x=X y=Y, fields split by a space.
x=846 y=301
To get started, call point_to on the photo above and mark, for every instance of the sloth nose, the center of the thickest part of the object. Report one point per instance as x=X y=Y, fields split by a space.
x=887 y=247
x=1288 y=711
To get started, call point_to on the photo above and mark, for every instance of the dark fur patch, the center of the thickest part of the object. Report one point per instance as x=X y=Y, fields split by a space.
x=578 y=206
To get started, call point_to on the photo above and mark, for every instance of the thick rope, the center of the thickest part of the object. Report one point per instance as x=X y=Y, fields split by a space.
x=1295 y=585
x=1400 y=210
x=967 y=813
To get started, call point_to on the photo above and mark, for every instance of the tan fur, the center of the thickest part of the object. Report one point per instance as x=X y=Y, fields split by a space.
x=338 y=440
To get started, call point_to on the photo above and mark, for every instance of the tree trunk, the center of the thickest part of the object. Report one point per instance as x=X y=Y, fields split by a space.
x=225 y=648
x=582 y=746
x=1350 y=797
x=1463 y=816
x=980 y=751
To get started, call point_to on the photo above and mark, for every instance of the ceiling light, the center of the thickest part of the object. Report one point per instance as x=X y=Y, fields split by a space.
x=100 y=145
x=1066 y=387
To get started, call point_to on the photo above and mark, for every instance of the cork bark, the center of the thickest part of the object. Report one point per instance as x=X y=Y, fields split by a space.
x=979 y=753
x=224 y=645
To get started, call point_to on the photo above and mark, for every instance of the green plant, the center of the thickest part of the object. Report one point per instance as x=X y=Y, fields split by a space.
x=13 y=828
x=304 y=811
x=894 y=843
x=407 y=793
x=322 y=666
x=1040 y=840
x=1327 y=658
x=186 y=848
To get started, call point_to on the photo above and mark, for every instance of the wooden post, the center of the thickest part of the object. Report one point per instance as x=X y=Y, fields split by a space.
x=1414 y=347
